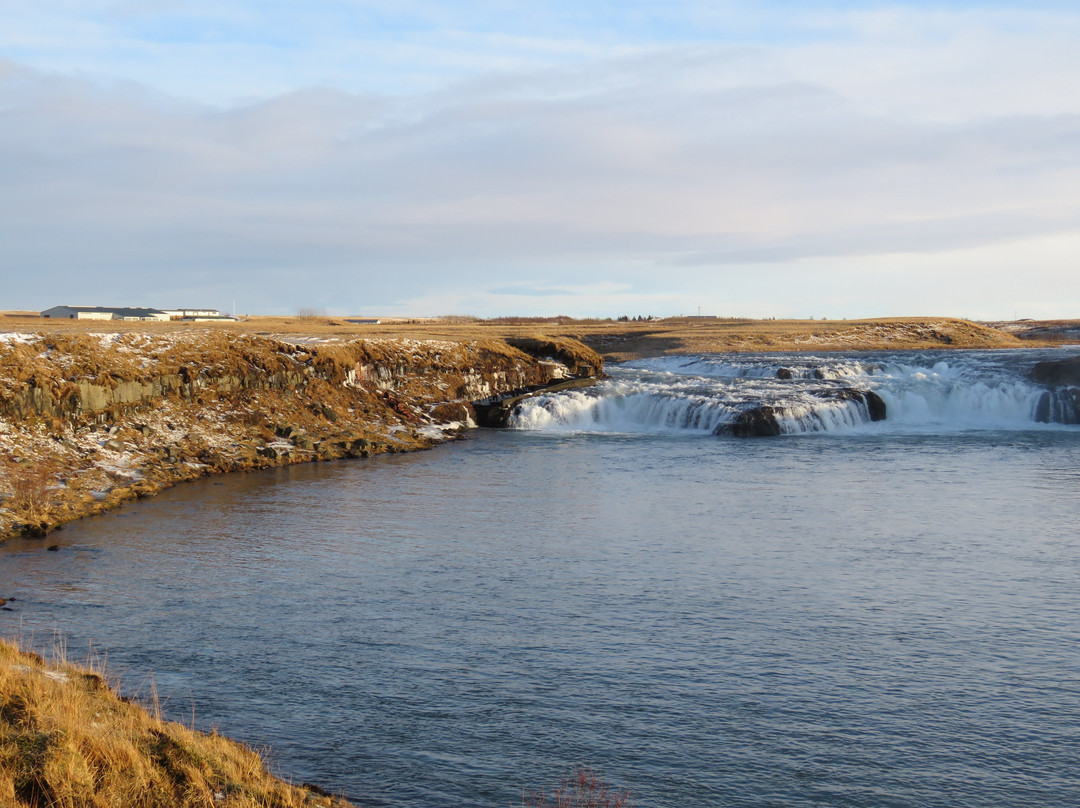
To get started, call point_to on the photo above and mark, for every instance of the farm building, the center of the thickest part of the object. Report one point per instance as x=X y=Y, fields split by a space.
x=188 y=314
x=103 y=313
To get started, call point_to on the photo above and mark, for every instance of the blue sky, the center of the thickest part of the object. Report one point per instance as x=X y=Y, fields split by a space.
x=416 y=158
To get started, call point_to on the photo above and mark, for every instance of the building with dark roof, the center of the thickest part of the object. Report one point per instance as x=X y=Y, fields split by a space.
x=103 y=313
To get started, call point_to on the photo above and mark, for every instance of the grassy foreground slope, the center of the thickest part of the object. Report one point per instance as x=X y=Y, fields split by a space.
x=68 y=740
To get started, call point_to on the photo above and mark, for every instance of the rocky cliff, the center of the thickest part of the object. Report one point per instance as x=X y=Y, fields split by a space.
x=89 y=421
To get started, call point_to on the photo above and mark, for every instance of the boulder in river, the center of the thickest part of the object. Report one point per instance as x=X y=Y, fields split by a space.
x=1059 y=406
x=1057 y=372
x=758 y=422
x=763 y=421
x=875 y=404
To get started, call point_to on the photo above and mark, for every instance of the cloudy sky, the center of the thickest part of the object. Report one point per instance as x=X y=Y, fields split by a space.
x=584 y=157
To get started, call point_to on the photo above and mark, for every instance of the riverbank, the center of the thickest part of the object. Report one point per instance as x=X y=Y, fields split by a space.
x=68 y=738
x=90 y=421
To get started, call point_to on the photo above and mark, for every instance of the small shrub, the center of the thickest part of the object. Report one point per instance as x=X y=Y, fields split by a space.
x=582 y=789
x=33 y=491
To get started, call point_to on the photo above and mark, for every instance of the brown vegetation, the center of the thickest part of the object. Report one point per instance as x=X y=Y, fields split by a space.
x=33 y=493
x=617 y=341
x=583 y=789
x=67 y=740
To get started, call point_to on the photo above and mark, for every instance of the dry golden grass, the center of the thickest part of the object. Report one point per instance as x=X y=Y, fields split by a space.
x=69 y=741
x=615 y=340
x=32 y=492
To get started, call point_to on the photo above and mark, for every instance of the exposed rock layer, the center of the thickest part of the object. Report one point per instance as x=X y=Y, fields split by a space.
x=89 y=421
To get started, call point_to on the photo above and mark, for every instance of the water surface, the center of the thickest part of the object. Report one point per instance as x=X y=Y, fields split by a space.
x=869 y=615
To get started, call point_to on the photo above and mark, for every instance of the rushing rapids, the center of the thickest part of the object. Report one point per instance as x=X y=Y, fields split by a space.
x=783 y=394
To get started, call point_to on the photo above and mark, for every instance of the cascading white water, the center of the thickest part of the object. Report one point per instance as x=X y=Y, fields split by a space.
x=703 y=393
x=624 y=407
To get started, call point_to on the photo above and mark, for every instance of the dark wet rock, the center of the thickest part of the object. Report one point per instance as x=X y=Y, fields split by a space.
x=818 y=373
x=875 y=404
x=453 y=411
x=36 y=530
x=1059 y=406
x=358 y=447
x=758 y=422
x=1057 y=372
x=53 y=548
x=785 y=373
x=1061 y=403
x=764 y=421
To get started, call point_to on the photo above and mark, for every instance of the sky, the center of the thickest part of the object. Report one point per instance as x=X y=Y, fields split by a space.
x=752 y=158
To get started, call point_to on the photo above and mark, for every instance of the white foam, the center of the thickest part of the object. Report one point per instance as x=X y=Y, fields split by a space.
x=964 y=390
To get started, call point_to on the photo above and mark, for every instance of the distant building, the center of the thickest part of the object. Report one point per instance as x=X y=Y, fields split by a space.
x=199 y=315
x=363 y=320
x=104 y=313
x=189 y=314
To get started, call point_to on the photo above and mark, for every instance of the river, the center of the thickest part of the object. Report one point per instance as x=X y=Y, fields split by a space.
x=853 y=613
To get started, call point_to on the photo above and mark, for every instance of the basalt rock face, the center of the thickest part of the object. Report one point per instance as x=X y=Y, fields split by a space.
x=89 y=421
x=93 y=376
x=580 y=361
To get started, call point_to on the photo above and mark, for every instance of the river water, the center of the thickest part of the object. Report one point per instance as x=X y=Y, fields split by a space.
x=853 y=613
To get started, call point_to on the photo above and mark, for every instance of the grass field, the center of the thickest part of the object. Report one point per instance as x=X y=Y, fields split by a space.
x=618 y=341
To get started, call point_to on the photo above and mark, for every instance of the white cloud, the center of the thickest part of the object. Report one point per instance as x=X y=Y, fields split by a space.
x=680 y=175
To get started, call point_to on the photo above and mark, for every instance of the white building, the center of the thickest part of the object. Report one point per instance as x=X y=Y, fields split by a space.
x=103 y=313
x=189 y=314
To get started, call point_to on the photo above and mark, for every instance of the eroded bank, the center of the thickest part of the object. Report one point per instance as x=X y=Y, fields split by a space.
x=88 y=421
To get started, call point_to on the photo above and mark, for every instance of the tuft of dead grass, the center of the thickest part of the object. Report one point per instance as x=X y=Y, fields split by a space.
x=68 y=740
x=32 y=489
x=582 y=789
